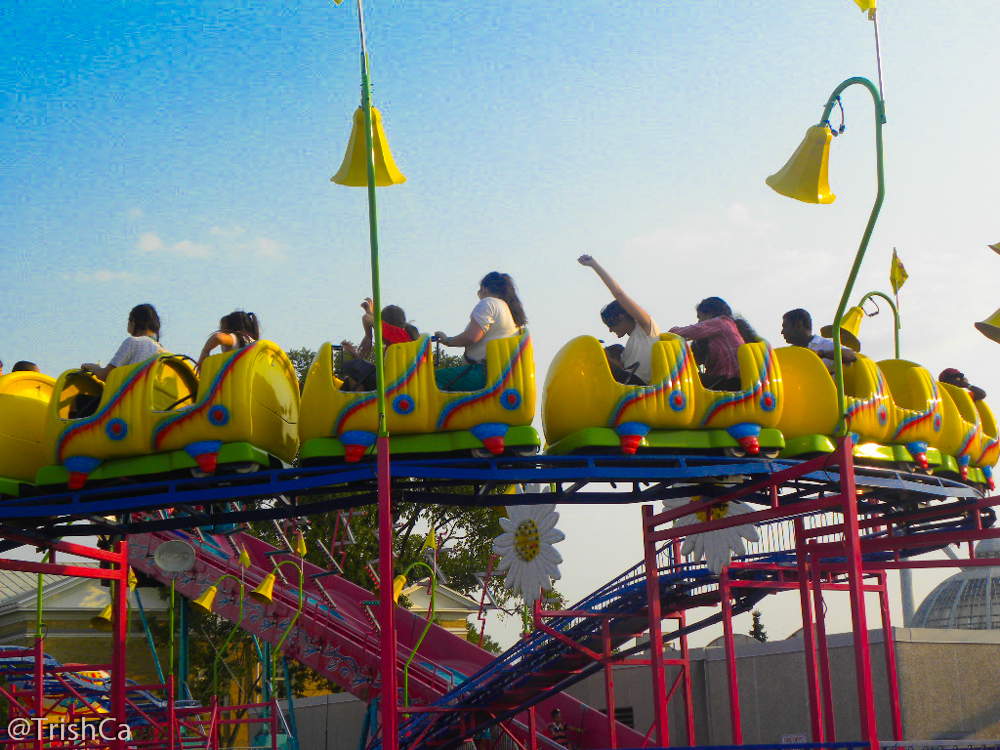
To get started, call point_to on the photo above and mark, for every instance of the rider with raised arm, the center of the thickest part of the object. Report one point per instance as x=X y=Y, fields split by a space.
x=624 y=317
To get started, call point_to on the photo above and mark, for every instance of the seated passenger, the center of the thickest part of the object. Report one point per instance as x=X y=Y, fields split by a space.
x=24 y=366
x=956 y=377
x=236 y=331
x=796 y=329
x=360 y=373
x=143 y=342
x=725 y=334
x=498 y=315
x=624 y=317
x=618 y=370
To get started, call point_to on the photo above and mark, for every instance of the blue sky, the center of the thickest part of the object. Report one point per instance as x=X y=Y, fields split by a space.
x=180 y=153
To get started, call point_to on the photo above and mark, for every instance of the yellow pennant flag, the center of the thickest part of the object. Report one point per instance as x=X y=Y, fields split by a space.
x=430 y=541
x=897 y=273
x=868 y=5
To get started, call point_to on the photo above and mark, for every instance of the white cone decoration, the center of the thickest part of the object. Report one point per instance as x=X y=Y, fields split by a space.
x=525 y=547
x=717 y=547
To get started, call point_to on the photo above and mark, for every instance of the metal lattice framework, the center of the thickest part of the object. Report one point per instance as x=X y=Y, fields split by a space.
x=826 y=525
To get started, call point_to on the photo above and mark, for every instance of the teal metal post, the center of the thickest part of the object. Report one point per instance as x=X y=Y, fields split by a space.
x=293 y=740
x=149 y=636
x=266 y=676
x=880 y=196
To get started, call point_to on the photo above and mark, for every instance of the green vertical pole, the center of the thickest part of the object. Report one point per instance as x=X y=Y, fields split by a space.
x=170 y=664
x=184 y=666
x=366 y=106
x=38 y=603
x=387 y=659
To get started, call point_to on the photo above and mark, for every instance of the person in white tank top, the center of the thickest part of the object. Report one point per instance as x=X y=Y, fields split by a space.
x=624 y=317
x=143 y=342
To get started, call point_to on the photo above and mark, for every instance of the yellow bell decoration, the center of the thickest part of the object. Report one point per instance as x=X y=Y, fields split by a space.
x=354 y=171
x=850 y=326
x=868 y=5
x=102 y=621
x=995 y=247
x=397 y=587
x=990 y=327
x=264 y=594
x=244 y=557
x=204 y=602
x=132 y=580
x=804 y=176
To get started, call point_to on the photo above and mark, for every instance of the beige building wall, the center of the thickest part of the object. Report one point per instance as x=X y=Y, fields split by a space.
x=947 y=682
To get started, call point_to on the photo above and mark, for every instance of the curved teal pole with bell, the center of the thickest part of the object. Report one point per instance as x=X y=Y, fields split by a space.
x=804 y=178
x=879 y=197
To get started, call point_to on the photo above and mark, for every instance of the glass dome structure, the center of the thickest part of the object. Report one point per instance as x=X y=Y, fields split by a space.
x=968 y=600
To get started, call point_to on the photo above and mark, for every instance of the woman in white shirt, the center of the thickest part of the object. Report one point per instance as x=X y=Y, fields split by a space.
x=498 y=315
x=143 y=342
x=624 y=317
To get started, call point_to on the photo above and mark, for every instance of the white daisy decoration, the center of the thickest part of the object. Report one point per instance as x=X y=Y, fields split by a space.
x=716 y=547
x=525 y=547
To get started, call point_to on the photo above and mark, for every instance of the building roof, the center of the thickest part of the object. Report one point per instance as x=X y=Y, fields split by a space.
x=447 y=602
x=66 y=593
x=968 y=600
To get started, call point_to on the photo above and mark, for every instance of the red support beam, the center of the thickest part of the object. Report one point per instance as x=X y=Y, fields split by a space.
x=855 y=571
x=660 y=718
x=387 y=607
x=119 y=636
x=734 y=690
x=685 y=666
x=609 y=684
x=889 y=644
x=823 y=652
x=808 y=635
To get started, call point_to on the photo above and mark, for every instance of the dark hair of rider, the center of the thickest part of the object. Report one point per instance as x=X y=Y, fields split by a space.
x=798 y=317
x=614 y=311
x=501 y=286
x=394 y=316
x=713 y=307
x=240 y=322
x=144 y=319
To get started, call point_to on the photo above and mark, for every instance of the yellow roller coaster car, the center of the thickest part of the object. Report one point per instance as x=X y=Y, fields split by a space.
x=158 y=416
x=585 y=409
x=342 y=425
x=24 y=399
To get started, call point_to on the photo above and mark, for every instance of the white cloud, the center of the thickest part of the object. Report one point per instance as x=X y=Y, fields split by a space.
x=267 y=249
x=101 y=277
x=740 y=225
x=190 y=249
x=135 y=213
x=149 y=242
x=233 y=231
